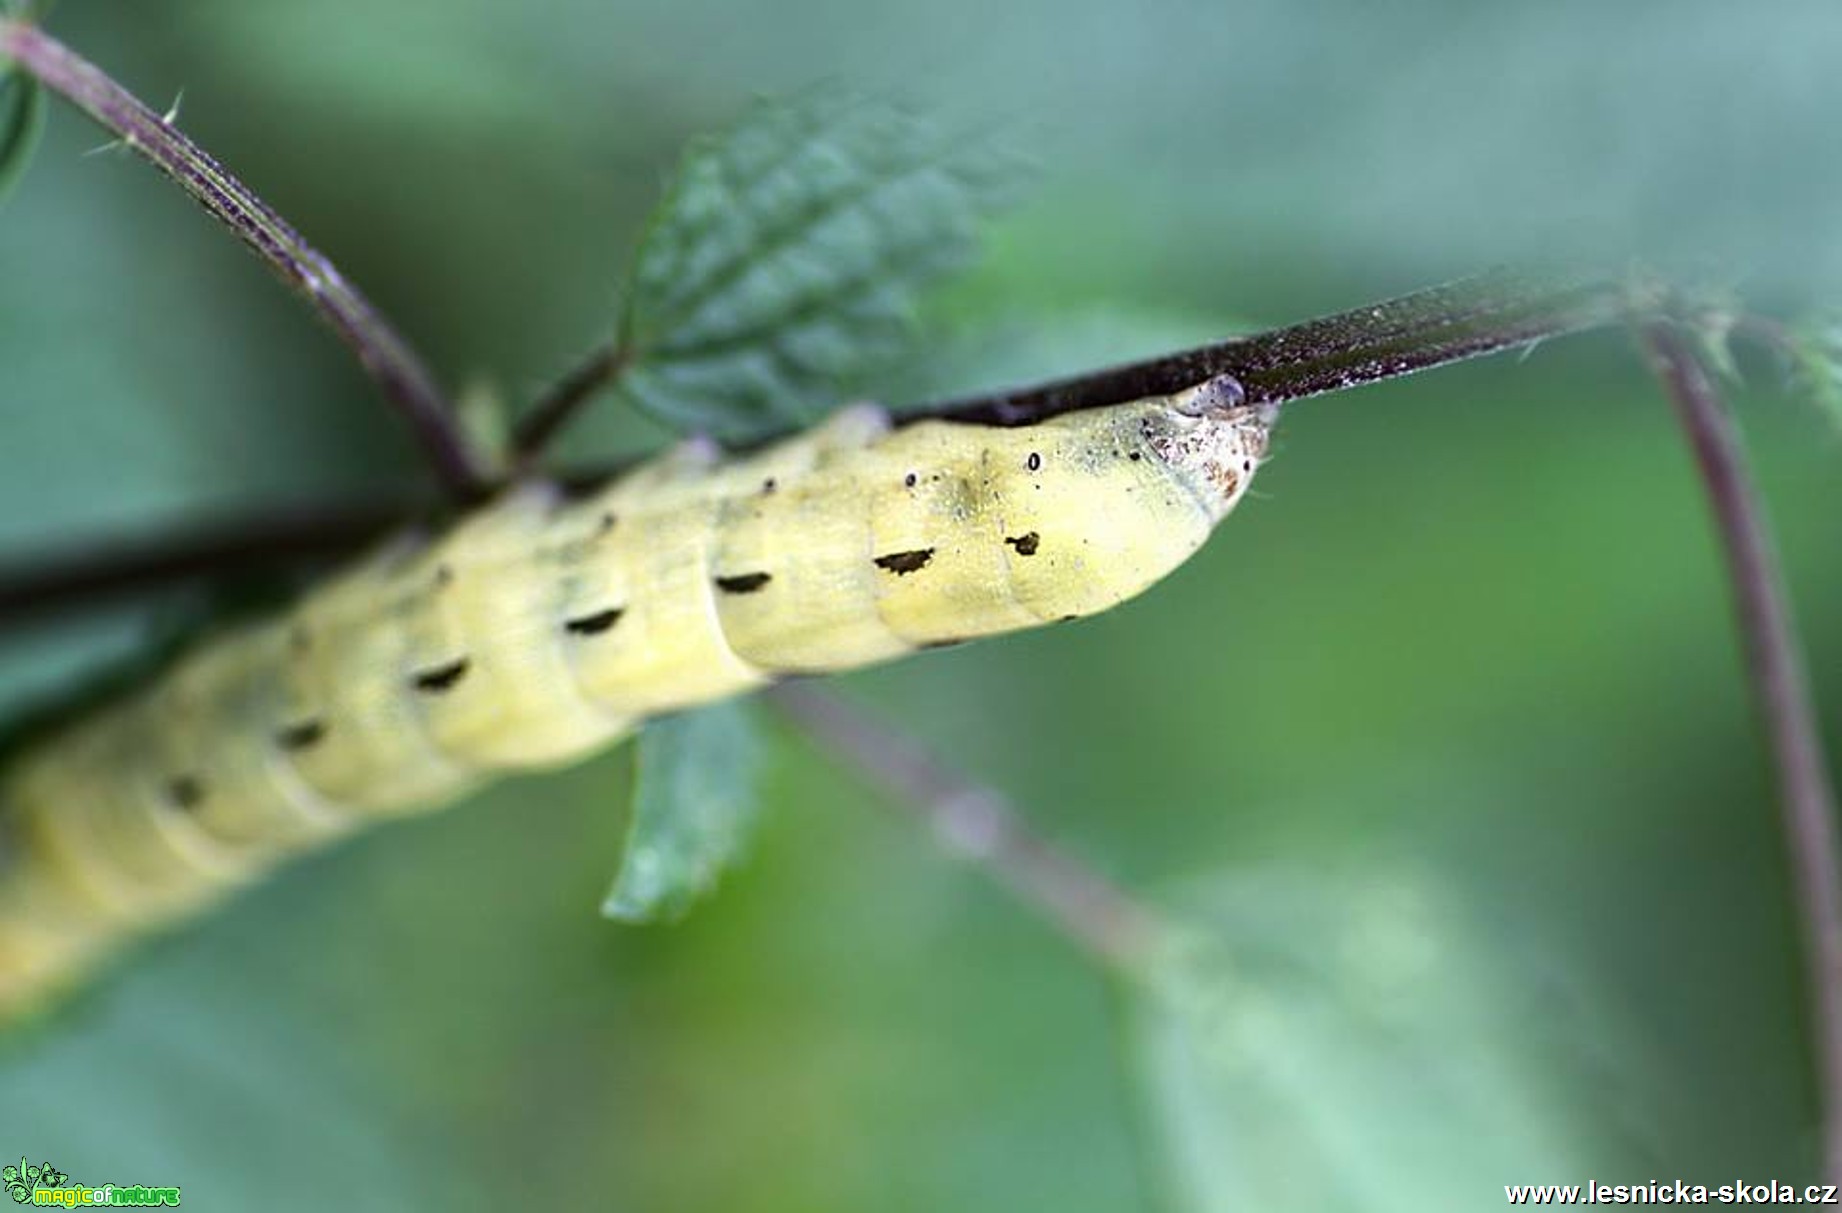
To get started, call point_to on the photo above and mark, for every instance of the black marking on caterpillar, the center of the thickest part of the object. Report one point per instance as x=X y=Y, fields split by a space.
x=1034 y=462
x=951 y=642
x=185 y=791
x=1026 y=543
x=301 y=735
x=441 y=678
x=595 y=623
x=769 y=485
x=743 y=583
x=908 y=481
x=904 y=563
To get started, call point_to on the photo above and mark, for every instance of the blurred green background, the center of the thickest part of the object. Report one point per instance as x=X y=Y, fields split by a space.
x=1443 y=738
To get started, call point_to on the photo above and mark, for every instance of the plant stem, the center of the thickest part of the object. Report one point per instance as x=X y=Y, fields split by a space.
x=978 y=824
x=1479 y=315
x=1774 y=664
x=1430 y=328
x=39 y=587
x=390 y=359
x=565 y=399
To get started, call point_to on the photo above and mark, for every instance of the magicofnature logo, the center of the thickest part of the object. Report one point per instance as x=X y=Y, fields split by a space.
x=44 y=1184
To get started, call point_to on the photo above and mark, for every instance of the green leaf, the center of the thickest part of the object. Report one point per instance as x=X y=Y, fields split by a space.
x=22 y=118
x=1816 y=349
x=1346 y=1044
x=694 y=805
x=787 y=256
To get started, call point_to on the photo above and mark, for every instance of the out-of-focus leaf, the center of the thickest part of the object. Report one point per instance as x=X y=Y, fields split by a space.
x=22 y=117
x=1341 y=1045
x=695 y=801
x=1713 y=335
x=787 y=255
x=1816 y=347
x=481 y=411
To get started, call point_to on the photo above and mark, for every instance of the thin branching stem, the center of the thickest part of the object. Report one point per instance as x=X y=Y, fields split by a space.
x=565 y=399
x=391 y=361
x=1774 y=664
x=49 y=584
x=977 y=823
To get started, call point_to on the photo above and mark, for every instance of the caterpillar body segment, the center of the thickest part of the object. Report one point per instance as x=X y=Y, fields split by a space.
x=539 y=629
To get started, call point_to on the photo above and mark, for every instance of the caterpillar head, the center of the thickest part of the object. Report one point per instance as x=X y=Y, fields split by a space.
x=1217 y=440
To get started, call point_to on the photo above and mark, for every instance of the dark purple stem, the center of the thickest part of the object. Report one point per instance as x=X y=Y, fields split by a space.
x=40 y=586
x=1429 y=328
x=565 y=399
x=386 y=355
x=1774 y=664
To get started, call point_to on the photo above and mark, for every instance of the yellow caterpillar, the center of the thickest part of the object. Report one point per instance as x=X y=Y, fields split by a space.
x=539 y=629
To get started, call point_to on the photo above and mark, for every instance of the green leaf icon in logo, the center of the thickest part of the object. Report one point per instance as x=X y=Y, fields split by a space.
x=15 y=1183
